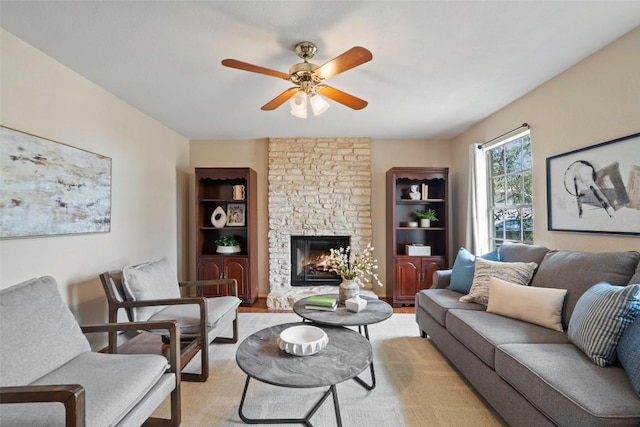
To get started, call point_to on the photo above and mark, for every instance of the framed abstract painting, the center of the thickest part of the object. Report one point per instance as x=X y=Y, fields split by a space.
x=48 y=188
x=596 y=189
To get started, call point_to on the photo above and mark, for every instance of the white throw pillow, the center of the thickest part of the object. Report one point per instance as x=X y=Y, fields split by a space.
x=149 y=281
x=541 y=306
x=519 y=273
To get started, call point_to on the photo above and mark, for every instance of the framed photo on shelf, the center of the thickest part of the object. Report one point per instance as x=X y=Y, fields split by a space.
x=236 y=215
x=596 y=189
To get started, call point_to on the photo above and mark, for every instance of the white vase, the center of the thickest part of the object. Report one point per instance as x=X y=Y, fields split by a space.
x=425 y=223
x=348 y=289
x=219 y=217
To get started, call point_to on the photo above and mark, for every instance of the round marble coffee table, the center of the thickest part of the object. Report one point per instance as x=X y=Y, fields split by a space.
x=346 y=355
x=376 y=311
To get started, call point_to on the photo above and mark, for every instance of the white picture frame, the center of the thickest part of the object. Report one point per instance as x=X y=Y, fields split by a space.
x=236 y=215
x=596 y=189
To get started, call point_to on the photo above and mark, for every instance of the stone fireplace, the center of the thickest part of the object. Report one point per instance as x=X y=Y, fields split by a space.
x=310 y=264
x=317 y=187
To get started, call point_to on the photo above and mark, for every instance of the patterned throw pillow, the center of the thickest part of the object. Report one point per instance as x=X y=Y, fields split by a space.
x=629 y=353
x=519 y=273
x=464 y=268
x=600 y=317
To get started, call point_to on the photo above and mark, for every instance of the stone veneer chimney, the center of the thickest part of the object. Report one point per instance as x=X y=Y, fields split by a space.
x=317 y=186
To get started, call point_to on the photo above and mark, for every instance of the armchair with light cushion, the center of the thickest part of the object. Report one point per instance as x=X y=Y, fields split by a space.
x=50 y=376
x=151 y=292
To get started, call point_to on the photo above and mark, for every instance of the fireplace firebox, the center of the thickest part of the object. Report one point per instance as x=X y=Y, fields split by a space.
x=309 y=260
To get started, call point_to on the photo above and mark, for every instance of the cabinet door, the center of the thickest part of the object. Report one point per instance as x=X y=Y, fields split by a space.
x=428 y=267
x=407 y=281
x=238 y=268
x=210 y=269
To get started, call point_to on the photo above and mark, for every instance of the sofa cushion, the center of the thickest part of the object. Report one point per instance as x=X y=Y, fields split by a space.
x=629 y=353
x=520 y=252
x=481 y=332
x=38 y=333
x=436 y=302
x=113 y=383
x=188 y=315
x=561 y=381
x=515 y=272
x=600 y=318
x=541 y=306
x=464 y=267
x=578 y=271
x=149 y=281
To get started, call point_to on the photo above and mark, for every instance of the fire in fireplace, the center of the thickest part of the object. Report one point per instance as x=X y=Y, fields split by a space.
x=309 y=263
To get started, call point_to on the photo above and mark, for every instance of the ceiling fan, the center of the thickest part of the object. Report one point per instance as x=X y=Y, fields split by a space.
x=309 y=80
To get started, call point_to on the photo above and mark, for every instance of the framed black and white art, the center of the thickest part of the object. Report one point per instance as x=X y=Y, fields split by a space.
x=596 y=189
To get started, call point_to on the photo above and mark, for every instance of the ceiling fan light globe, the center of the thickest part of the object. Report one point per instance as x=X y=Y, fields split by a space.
x=299 y=100
x=318 y=104
x=299 y=105
x=299 y=114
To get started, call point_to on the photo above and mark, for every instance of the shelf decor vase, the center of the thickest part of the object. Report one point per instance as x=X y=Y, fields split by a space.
x=219 y=217
x=425 y=223
x=348 y=289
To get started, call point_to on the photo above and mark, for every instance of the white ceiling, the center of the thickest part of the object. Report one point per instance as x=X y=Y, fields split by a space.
x=438 y=66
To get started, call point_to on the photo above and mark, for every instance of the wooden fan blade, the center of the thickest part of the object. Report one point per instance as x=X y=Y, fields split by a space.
x=280 y=99
x=348 y=60
x=342 y=97
x=234 y=63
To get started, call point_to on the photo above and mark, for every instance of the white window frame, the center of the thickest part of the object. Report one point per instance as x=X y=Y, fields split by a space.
x=520 y=228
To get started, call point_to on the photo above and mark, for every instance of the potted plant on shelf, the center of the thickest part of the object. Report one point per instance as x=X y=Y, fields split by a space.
x=426 y=216
x=228 y=245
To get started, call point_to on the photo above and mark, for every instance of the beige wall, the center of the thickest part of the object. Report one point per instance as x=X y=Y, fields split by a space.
x=385 y=154
x=596 y=100
x=149 y=161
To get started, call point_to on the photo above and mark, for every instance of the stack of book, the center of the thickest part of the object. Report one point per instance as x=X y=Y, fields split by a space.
x=318 y=302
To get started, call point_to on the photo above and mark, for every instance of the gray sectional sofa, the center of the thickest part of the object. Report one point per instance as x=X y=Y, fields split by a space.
x=530 y=374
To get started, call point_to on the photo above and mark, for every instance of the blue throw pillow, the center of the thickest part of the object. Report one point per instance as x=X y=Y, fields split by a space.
x=629 y=353
x=600 y=317
x=494 y=255
x=464 y=268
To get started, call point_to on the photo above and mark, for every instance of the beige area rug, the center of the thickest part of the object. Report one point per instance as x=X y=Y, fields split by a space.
x=415 y=386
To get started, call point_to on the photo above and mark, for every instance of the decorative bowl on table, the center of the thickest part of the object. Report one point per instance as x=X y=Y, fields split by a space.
x=303 y=340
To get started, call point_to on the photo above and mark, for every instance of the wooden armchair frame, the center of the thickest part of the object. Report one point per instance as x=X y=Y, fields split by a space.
x=72 y=396
x=112 y=284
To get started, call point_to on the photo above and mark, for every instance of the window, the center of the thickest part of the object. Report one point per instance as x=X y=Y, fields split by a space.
x=510 y=191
